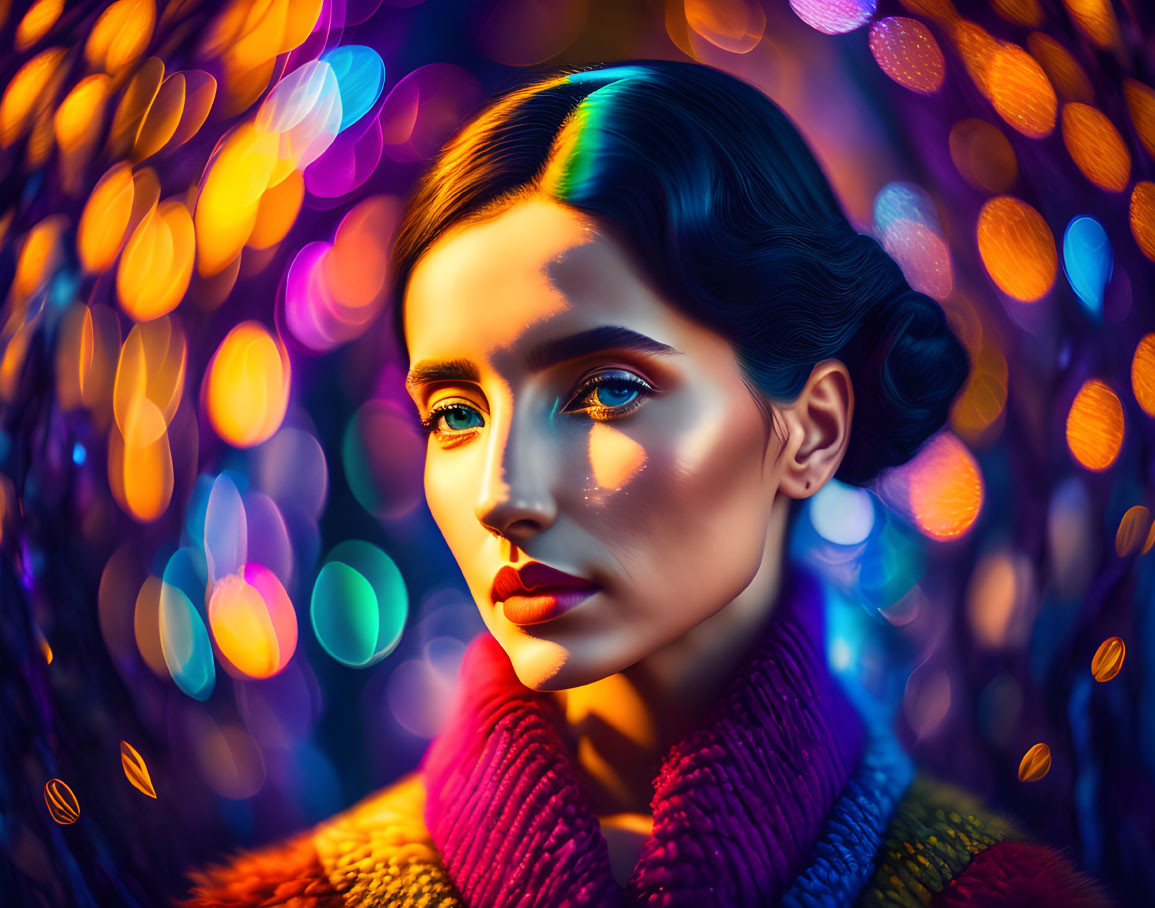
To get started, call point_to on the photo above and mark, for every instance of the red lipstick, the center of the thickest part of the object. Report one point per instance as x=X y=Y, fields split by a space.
x=537 y=592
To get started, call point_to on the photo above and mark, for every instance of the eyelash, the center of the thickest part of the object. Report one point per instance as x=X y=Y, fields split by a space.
x=428 y=425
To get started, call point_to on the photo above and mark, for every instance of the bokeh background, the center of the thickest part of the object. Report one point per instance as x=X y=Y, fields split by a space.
x=226 y=612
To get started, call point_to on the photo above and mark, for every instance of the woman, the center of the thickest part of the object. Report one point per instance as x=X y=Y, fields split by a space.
x=639 y=328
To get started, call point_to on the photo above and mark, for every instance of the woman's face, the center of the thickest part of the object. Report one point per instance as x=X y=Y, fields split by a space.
x=581 y=421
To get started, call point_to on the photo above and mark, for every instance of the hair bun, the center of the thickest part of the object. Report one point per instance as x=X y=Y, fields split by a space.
x=909 y=368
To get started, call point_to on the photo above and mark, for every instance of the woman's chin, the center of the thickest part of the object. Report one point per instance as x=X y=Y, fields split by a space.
x=545 y=665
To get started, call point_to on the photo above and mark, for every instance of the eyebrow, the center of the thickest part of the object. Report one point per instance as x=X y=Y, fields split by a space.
x=544 y=355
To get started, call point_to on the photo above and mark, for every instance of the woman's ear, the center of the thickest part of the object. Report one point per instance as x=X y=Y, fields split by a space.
x=817 y=430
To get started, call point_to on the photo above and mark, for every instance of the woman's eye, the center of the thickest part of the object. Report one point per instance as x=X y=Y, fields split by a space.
x=610 y=395
x=457 y=418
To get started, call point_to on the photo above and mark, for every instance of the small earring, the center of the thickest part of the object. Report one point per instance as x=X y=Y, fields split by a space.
x=808 y=483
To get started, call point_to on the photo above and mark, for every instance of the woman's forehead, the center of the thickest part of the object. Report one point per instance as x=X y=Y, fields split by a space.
x=537 y=271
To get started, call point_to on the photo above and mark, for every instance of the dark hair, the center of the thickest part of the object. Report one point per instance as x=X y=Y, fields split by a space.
x=710 y=186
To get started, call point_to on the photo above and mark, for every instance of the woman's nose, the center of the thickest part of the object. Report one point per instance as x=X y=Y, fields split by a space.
x=515 y=500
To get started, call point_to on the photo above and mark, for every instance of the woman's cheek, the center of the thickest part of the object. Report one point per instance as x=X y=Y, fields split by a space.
x=447 y=492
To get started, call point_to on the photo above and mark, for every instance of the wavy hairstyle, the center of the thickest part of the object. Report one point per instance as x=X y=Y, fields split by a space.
x=711 y=188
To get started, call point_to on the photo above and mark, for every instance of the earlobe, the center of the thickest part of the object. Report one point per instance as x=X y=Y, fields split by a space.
x=818 y=430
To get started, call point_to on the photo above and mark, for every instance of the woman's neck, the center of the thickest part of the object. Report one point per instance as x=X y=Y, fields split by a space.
x=620 y=728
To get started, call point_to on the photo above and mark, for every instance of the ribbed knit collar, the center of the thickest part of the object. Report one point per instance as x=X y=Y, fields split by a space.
x=742 y=805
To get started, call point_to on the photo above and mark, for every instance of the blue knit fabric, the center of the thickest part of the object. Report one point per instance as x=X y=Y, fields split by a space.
x=843 y=858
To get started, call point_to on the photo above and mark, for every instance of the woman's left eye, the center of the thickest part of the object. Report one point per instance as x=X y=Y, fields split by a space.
x=611 y=394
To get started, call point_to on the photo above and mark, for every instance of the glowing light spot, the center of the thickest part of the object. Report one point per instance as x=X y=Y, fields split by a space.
x=834 y=17
x=1143 y=374
x=978 y=49
x=908 y=226
x=97 y=346
x=253 y=621
x=983 y=398
x=360 y=75
x=247 y=34
x=942 y=11
x=1095 y=426
x=247 y=386
x=228 y=758
x=291 y=469
x=735 y=26
x=1021 y=92
x=79 y=118
x=946 y=488
x=1142 y=215
x=423 y=108
x=120 y=35
x=157 y=263
x=906 y=51
x=134 y=106
x=34 y=25
x=149 y=380
x=25 y=96
x=141 y=475
x=1096 y=147
x=1061 y=68
x=1035 y=764
x=840 y=654
x=993 y=597
x=268 y=535
x=1096 y=20
x=161 y=119
x=1108 y=659
x=926 y=700
x=1017 y=248
x=277 y=211
x=348 y=162
x=359 y=604
x=229 y=200
x=62 y=804
x=200 y=90
x=225 y=530
x=135 y=769
x=841 y=513
x=525 y=33
x=923 y=256
x=1132 y=530
x=333 y=291
x=614 y=456
x=39 y=256
x=304 y=112
x=1021 y=12
x=898 y=202
x=185 y=643
x=418 y=693
x=104 y=221
x=149 y=385
x=1088 y=261
x=146 y=625
x=384 y=460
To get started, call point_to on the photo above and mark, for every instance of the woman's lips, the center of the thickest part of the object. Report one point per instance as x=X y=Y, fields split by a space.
x=536 y=592
x=543 y=604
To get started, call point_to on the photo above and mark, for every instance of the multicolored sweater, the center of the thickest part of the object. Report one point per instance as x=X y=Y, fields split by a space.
x=782 y=795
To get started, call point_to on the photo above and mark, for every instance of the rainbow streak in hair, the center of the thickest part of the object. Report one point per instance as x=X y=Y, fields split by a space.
x=571 y=161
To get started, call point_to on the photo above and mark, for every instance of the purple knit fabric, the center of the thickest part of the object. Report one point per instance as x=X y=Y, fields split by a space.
x=738 y=803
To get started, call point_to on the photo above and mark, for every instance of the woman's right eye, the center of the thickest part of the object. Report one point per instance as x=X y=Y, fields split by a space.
x=458 y=419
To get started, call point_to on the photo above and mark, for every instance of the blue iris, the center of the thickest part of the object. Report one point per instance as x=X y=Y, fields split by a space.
x=608 y=391
x=450 y=412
